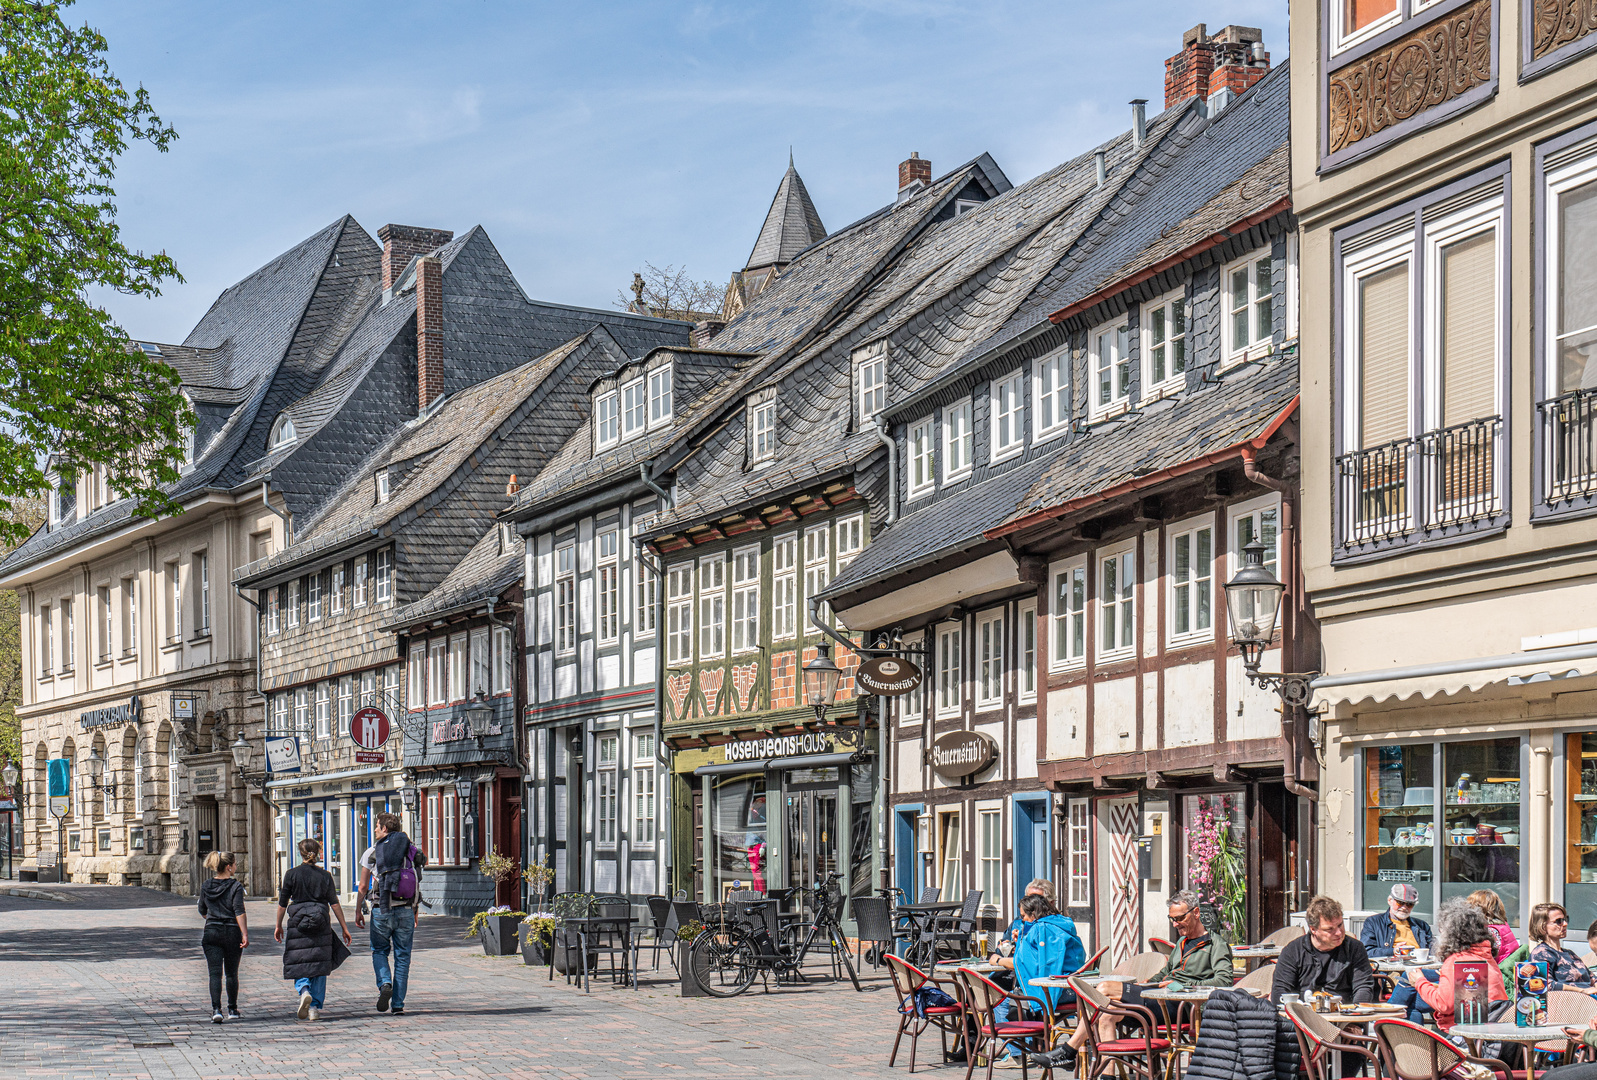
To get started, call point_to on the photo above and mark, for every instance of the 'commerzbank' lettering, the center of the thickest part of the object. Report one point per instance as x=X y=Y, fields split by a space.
x=776 y=746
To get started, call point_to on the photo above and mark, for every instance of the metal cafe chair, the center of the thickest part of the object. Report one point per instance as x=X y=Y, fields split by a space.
x=1411 y=1052
x=1136 y=1055
x=957 y=930
x=948 y=1019
x=662 y=935
x=992 y=1036
x=875 y=925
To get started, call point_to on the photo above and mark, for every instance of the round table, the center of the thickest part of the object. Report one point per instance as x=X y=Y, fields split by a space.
x=1256 y=952
x=1528 y=1037
x=981 y=966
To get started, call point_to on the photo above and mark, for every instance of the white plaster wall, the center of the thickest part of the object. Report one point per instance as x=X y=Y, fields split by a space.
x=1115 y=716
x=1067 y=723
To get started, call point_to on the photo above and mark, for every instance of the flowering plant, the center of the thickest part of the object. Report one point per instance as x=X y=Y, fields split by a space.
x=480 y=920
x=1217 y=865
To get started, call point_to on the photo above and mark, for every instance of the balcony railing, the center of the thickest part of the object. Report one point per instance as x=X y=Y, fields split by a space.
x=1442 y=482
x=1569 y=448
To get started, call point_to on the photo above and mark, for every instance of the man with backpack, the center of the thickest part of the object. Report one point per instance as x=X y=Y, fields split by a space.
x=388 y=874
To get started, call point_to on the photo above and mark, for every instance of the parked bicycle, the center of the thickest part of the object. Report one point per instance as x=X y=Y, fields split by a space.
x=726 y=957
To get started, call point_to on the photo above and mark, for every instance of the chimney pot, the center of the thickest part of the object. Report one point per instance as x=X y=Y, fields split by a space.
x=1139 y=120
x=912 y=172
x=1232 y=60
x=429 y=331
x=512 y=487
x=1099 y=160
x=400 y=242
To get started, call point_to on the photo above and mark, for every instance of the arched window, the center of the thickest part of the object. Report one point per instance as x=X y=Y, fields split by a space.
x=171 y=772
x=138 y=782
x=75 y=803
x=282 y=432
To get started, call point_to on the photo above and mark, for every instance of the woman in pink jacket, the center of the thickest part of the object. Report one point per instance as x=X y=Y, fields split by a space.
x=1491 y=905
x=1461 y=936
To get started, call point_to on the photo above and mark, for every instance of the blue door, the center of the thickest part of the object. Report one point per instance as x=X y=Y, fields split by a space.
x=1032 y=856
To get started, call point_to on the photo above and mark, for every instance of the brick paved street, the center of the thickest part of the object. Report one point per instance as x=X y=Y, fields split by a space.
x=115 y=986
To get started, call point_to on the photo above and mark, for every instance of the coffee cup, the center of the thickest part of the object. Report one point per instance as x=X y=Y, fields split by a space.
x=1291 y=999
x=1421 y=956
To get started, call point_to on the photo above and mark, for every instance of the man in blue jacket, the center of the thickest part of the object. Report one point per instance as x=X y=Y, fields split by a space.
x=1395 y=926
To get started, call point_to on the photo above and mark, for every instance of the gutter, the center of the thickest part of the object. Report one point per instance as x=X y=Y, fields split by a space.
x=570 y=511
x=648 y=481
x=888 y=441
x=1191 y=251
x=266 y=499
x=1119 y=490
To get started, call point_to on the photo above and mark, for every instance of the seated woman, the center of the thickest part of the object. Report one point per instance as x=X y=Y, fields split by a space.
x=1504 y=939
x=1549 y=925
x=1050 y=946
x=1461 y=936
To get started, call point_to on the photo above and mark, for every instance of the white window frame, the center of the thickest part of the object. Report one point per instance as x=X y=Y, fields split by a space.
x=660 y=396
x=1466 y=224
x=912 y=706
x=438 y=671
x=324 y=711
x=302 y=711
x=607 y=790
x=634 y=408
x=565 y=599
x=645 y=613
x=921 y=465
x=1173 y=380
x=950 y=669
x=357 y=587
x=1006 y=399
x=383 y=591
x=990 y=852
x=1078 y=853
x=1065 y=617
x=504 y=662
x=46 y=642
x=712 y=606
x=173 y=574
x=762 y=427
x=644 y=820
x=1051 y=407
x=817 y=545
x=850 y=540
x=380 y=482
x=951 y=848
x=607 y=584
x=1026 y=658
x=69 y=636
x=346 y=704
x=291 y=604
x=313 y=597
x=1253 y=508
x=607 y=419
x=870 y=379
x=784 y=586
x=990 y=650
x=1119 y=609
x=1559 y=181
x=1202 y=578
x=1116 y=366
x=679 y=613
x=959 y=441
x=1365 y=263
x=416 y=662
x=481 y=671
x=746 y=599
x=1337 y=18
x=1238 y=351
x=459 y=667
x=335 y=594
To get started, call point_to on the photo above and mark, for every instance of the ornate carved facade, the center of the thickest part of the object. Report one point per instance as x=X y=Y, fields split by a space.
x=1559 y=22
x=1441 y=61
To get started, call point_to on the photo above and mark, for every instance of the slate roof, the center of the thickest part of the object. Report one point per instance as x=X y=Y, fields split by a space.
x=476 y=580
x=309 y=334
x=791 y=225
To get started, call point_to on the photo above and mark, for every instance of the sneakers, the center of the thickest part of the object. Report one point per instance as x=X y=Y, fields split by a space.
x=385 y=994
x=1008 y=1061
x=216 y=1017
x=397 y=1010
x=232 y=1014
x=316 y=1014
x=304 y=1006
x=1063 y=1057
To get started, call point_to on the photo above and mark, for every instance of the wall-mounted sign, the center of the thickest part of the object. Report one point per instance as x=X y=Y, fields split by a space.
x=888 y=676
x=448 y=730
x=282 y=754
x=185 y=706
x=778 y=746
x=111 y=715
x=370 y=757
x=208 y=780
x=959 y=754
x=369 y=728
x=58 y=806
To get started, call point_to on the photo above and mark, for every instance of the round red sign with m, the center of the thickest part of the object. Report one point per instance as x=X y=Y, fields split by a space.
x=369 y=728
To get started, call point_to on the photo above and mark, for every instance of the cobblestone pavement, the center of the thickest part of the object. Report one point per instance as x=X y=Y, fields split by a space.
x=115 y=986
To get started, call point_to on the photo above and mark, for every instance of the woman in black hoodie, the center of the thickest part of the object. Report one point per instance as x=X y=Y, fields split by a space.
x=226 y=932
x=310 y=949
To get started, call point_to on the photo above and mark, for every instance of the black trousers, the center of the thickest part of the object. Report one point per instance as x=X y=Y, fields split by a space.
x=223 y=948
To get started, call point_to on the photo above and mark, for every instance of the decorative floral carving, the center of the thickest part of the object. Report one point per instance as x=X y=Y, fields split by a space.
x=1437 y=63
x=1558 y=22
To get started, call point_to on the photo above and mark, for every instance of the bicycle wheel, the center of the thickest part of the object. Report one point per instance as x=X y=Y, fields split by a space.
x=724 y=962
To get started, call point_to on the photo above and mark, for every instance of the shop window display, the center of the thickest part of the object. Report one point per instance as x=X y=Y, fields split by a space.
x=1580 y=825
x=1400 y=823
x=1481 y=818
x=740 y=835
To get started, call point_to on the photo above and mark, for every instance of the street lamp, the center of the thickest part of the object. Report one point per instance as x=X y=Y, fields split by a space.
x=96 y=766
x=407 y=795
x=820 y=680
x=1253 y=605
x=478 y=716
x=464 y=788
x=10 y=774
x=241 y=752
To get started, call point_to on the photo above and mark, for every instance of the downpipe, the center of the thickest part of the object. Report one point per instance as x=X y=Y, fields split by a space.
x=887 y=440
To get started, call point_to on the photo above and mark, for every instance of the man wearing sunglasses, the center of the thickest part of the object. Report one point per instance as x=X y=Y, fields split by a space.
x=1396 y=926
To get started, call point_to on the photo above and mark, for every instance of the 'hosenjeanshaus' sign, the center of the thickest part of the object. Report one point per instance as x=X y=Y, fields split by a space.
x=111 y=715
x=778 y=746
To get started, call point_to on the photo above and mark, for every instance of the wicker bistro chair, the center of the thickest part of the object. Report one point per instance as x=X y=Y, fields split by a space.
x=1134 y=1056
x=565 y=939
x=614 y=940
x=1260 y=978
x=1411 y=1052
x=1160 y=945
x=1284 y=936
x=981 y=996
x=1142 y=967
x=947 y=1019
x=661 y=935
x=874 y=924
x=1566 y=1008
x=930 y=894
x=1318 y=1039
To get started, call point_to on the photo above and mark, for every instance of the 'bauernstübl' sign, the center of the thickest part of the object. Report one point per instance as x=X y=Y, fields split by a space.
x=777 y=746
x=959 y=754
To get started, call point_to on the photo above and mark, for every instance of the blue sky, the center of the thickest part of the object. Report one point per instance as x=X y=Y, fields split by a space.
x=590 y=138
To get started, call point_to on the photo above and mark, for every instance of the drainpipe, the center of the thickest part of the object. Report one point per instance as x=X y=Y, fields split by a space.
x=266 y=498
x=887 y=440
x=1290 y=725
x=643 y=474
x=665 y=782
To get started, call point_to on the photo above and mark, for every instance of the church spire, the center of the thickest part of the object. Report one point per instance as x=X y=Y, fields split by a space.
x=790 y=226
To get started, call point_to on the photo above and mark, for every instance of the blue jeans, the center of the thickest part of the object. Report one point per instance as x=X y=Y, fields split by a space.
x=1406 y=996
x=317 y=987
x=396 y=929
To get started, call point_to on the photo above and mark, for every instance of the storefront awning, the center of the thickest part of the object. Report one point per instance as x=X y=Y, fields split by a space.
x=1428 y=681
x=806 y=761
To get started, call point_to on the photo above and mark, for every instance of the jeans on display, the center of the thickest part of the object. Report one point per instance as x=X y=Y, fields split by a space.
x=395 y=928
x=317 y=987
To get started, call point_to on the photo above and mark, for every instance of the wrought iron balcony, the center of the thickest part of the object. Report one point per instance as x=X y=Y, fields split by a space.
x=1569 y=448
x=1441 y=483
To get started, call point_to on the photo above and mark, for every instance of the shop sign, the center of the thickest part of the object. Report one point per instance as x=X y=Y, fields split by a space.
x=369 y=728
x=208 y=780
x=888 y=676
x=111 y=715
x=282 y=754
x=370 y=757
x=363 y=785
x=959 y=754
x=778 y=746
x=58 y=806
x=448 y=730
x=299 y=792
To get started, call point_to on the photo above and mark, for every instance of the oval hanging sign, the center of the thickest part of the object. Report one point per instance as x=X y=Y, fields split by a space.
x=959 y=754
x=888 y=676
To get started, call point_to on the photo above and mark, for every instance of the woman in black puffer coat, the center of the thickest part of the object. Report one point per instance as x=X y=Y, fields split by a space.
x=306 y=902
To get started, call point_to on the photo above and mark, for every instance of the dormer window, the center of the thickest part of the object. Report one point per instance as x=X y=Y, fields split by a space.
x=381 y=480
x=762 y=425
x=660 y=396
x=634 y=408
x=63 y=498
x=964 y=206
x=283 y=432
x=507 y=539
x=606 y=419
x=870 y=366
x=1111 y=368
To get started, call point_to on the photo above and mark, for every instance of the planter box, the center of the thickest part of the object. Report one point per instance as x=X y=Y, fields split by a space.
x=690 y=978
x=534 y=949
x=499 y=935
x=569 y=959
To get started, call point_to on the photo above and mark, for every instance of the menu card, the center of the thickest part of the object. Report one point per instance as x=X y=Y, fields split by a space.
x=1469 y=992
x=1530 y=994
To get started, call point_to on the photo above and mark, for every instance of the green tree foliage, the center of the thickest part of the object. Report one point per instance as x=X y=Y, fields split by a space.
x=26 y=515
x=71 y=382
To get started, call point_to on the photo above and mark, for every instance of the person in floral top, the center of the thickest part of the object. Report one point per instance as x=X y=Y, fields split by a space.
x=1549 y=923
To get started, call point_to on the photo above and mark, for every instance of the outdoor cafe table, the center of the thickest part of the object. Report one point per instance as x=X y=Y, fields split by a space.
x=1475 y=1034
x=981 y=967
x=1255 y=952
x=596 y=925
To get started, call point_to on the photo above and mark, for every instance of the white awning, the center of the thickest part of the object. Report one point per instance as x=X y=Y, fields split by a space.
x=1447 y=679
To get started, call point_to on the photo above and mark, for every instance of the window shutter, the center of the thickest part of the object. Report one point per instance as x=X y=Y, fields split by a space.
x=1469 y=329
x=1384 y=356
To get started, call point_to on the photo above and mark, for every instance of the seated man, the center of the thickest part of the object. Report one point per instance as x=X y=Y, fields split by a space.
x=1324 y=959
x=1396 y=926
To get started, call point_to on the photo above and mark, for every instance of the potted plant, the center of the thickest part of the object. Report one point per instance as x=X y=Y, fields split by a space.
x=537 y=938
x=497 y=929
x=540 y=879
x=686 y=933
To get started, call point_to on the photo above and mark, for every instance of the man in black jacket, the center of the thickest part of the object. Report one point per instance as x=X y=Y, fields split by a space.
x=1324 y=959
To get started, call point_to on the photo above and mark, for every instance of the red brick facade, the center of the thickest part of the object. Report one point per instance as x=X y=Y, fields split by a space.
x=1208 y=64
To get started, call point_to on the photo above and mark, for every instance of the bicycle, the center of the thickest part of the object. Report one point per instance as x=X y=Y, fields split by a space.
x=726 y=958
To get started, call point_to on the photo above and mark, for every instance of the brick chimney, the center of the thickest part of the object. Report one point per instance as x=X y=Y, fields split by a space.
x=429 y=331
x=1207 y=64
x=400 y=242
x=915 y=170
